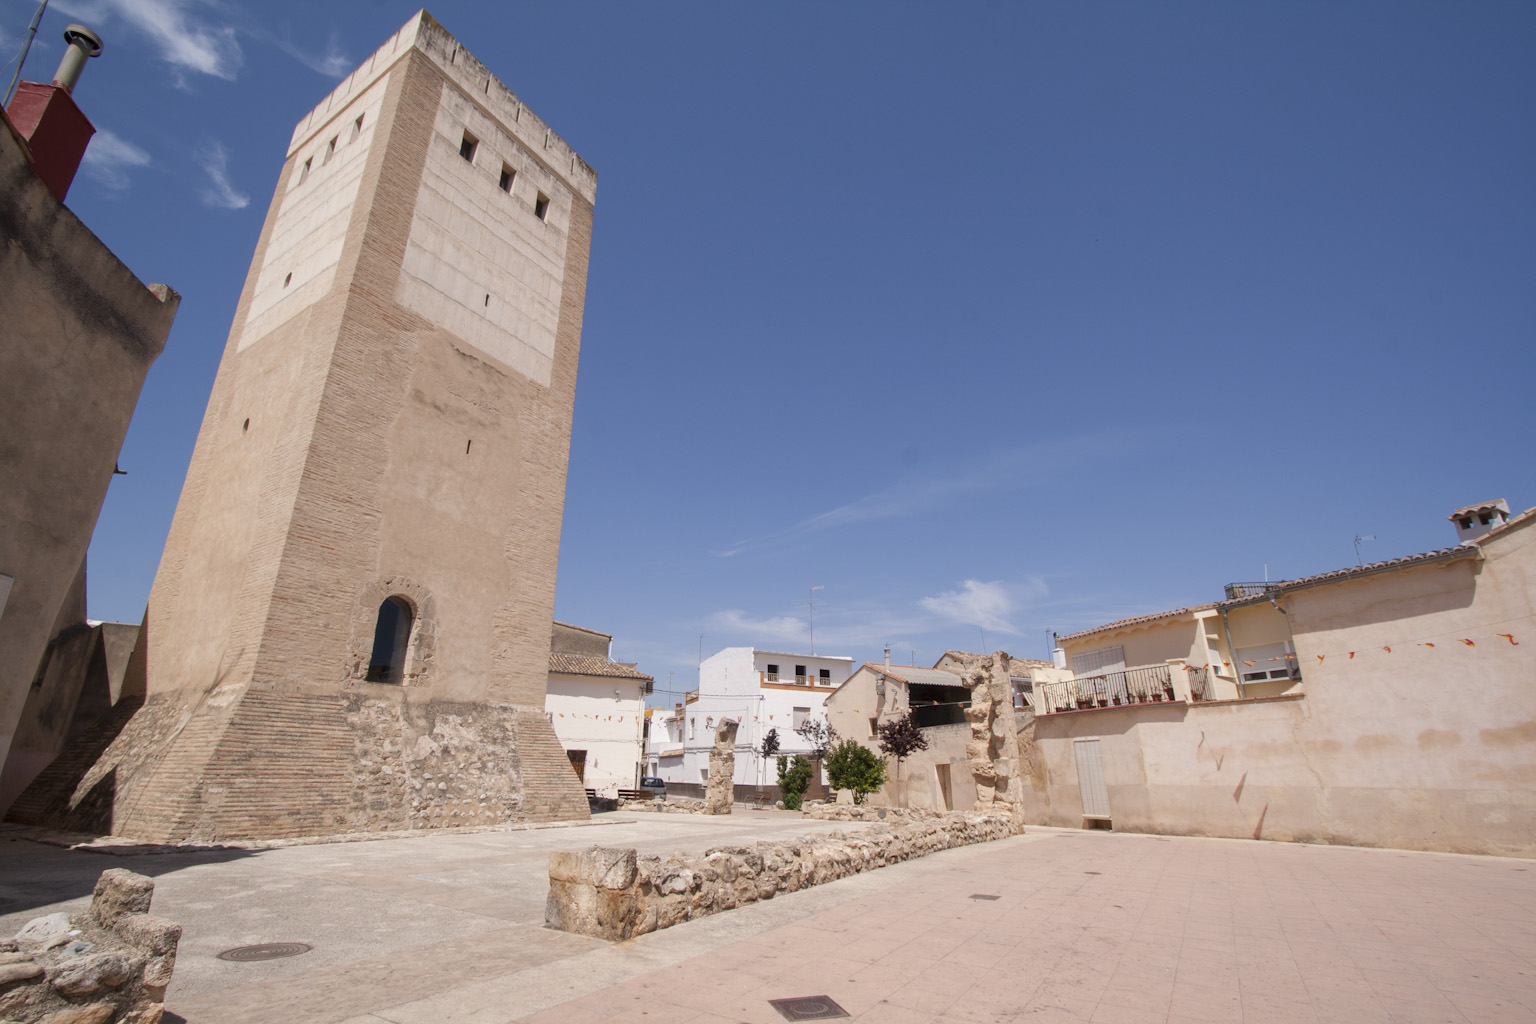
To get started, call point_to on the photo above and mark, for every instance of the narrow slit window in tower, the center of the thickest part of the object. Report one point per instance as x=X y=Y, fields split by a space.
x=468 y=146
x=541 y=206
x=391 y=636
x=507 y=177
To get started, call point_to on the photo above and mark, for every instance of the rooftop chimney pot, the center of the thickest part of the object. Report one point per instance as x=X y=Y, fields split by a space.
x=83 y=44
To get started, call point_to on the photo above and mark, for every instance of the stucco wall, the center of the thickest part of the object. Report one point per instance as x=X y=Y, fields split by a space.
x=78 y=332
x=1420 y=747
x=588 y=715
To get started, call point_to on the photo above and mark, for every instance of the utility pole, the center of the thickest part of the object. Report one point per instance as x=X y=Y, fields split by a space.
x=811 y=602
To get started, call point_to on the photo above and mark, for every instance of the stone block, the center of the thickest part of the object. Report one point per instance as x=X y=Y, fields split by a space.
x=40 y=930
x=118 y=892
x=96 y=1013
x=22 y=971
x=149 y=933
x=90 y=973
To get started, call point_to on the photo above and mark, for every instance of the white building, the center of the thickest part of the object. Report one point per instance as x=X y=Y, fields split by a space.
x=763 y=690
x=597 y=706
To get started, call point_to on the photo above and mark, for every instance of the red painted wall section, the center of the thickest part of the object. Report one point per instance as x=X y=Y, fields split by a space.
x=56 y=131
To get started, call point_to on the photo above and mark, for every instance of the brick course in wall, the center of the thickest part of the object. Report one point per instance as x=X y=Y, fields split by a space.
x=354 y=450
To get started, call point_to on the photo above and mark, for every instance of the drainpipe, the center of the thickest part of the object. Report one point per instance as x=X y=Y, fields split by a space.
x=1237 y=672
x=1289 y=632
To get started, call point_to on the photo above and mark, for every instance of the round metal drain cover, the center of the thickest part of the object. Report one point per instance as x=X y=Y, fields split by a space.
x=265 y=951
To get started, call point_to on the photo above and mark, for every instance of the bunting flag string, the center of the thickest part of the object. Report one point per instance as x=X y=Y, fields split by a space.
x=1435 y=643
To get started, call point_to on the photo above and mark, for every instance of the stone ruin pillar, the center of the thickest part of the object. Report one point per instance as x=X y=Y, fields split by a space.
x=720 y=791
x=994 y=745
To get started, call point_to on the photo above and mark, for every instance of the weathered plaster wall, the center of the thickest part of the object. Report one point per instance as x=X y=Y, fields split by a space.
x=78 y=332
x=1423 y=747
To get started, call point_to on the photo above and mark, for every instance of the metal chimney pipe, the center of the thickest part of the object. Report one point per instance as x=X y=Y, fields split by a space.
x=83 y=45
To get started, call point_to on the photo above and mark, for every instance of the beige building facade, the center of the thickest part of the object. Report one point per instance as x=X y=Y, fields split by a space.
x=350 y=625
x=1410 y=721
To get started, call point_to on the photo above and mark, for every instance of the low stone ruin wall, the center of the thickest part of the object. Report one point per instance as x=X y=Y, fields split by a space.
x=863 y=812
x=615 y=894
x=674 y=806
x=108 y=965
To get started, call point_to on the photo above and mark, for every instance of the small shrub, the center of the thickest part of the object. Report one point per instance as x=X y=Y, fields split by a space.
x=794 y=780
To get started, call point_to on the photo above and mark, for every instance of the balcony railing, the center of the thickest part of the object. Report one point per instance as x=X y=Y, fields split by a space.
x=1152 y=684
x=690 y=696
x=1239 y=591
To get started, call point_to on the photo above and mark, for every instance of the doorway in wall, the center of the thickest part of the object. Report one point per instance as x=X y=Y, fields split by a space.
x=1090 y=782
x=578 y=762
x=946 y=798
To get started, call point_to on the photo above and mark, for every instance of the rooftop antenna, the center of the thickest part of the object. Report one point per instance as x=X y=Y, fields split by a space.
x=26 y=48
x=983 y=640
x=702 y=638
x=1358 y=539
x=811 y=603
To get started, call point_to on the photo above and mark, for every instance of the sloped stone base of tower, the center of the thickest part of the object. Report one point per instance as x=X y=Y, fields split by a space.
x=252 y=763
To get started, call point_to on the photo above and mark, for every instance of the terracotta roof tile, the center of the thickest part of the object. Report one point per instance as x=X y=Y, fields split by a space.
x=1137 y=620
x=590 y=665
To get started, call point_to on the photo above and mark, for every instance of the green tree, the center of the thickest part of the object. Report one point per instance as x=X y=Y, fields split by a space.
x=900 y=738
x=794 y=780
x=852 y=765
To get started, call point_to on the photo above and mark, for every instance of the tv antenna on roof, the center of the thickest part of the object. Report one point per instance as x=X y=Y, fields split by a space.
x=811 y=603
x=1358 y=539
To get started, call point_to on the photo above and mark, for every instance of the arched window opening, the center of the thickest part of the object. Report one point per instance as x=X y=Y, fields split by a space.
x=390 y=638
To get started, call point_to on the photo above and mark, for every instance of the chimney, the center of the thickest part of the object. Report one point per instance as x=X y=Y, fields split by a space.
x=1475 y=521
x=887 y=655
x=47 y=117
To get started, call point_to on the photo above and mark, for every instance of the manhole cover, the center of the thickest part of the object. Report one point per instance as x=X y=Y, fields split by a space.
x=808 y=1008
x=983 y=896
x=265 y=951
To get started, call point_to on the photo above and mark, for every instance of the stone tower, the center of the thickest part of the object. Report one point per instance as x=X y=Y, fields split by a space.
x=350 y=625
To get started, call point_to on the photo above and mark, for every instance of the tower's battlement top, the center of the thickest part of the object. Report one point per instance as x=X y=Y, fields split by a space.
x=424 y=34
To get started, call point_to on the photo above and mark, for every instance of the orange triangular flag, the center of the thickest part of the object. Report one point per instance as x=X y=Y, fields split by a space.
x=1511 y=638
x=1469 y=643
x=1351 y=655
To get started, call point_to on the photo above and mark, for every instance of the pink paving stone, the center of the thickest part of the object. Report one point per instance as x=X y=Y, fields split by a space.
x=1185 y=929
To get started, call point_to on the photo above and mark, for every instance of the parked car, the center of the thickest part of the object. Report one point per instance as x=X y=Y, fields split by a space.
x=656 y=787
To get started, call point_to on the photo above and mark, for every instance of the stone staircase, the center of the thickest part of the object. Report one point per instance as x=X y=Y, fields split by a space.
x=551 y=790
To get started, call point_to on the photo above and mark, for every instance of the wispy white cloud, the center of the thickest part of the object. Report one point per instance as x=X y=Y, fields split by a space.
x=780 y=629
x=186 y=39
x=221 y=193
x=917 y=495
x=331 y=61
x=989 y=605
x=108 y=159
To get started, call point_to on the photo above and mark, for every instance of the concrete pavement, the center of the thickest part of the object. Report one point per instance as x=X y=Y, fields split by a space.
x=1086 y=926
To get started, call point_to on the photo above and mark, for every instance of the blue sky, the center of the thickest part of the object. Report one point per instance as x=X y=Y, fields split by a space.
x=1002 y=317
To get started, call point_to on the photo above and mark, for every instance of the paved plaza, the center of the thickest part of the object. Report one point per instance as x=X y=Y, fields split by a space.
x=1084 y=926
